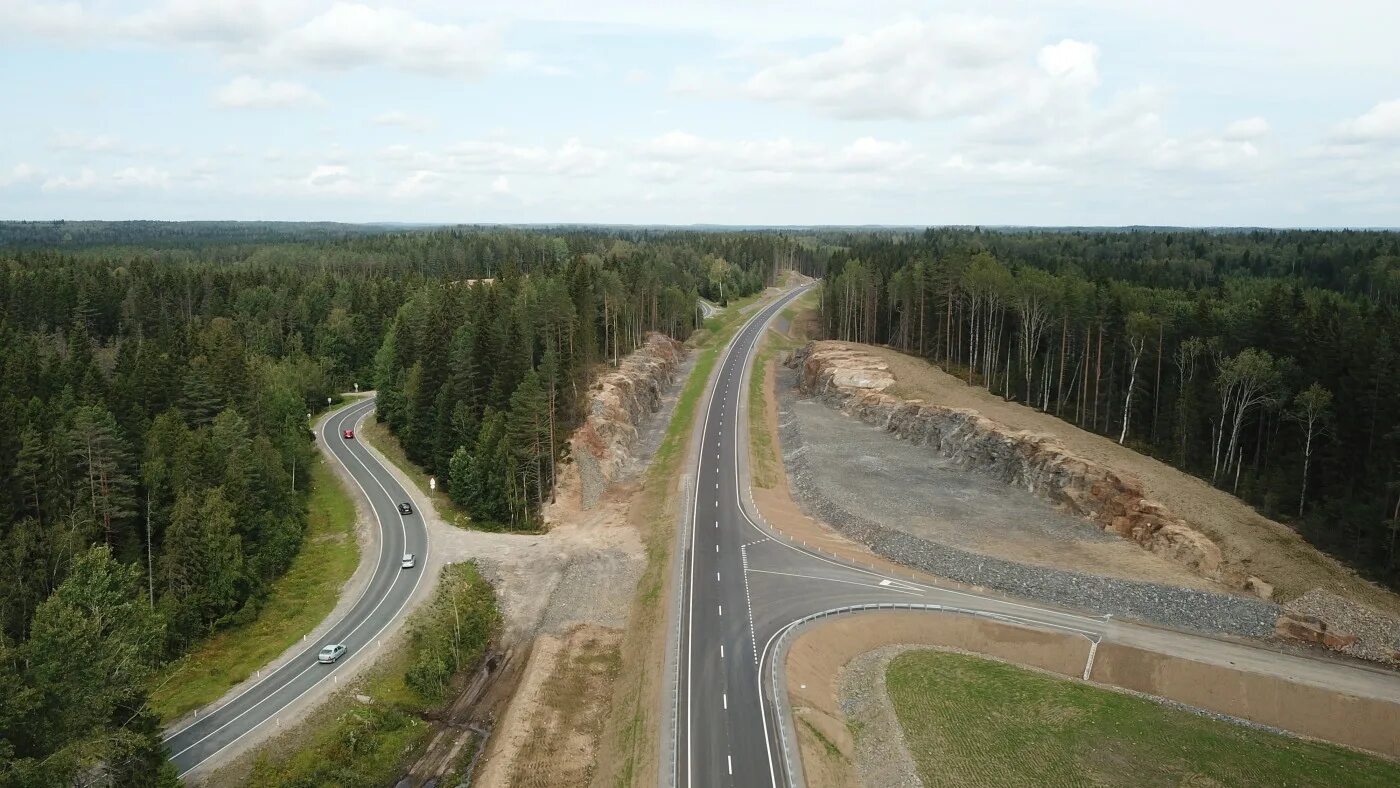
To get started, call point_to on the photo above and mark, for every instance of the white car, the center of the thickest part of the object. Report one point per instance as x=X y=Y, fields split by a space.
x=331 y=653
x=408 y=561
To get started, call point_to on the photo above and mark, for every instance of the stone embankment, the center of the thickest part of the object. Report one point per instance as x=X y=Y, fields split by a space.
x=855 y=382
x=620 y=401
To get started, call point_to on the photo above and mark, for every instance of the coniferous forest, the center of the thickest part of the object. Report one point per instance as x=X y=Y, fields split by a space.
x=1264 y=362
x=156 y=381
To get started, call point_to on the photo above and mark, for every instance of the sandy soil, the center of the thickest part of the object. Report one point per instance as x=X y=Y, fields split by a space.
x=1272 y=550
x=549 y=735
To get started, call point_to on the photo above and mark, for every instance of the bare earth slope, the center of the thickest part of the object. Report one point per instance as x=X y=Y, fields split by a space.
x=1249 y=543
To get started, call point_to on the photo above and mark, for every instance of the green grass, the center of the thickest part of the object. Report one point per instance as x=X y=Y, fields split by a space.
x=296 y=603
x=379 y=436
x=365 y=745
x=765 y=464
x=971 y=721
x=657 y=503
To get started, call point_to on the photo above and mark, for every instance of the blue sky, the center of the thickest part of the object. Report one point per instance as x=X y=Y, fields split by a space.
x=1231 y=112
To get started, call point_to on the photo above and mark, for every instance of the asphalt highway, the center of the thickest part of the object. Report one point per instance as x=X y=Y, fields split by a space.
x=381 y=603
x=745 y=587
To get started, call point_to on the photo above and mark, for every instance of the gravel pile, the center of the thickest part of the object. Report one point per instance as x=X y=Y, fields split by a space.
x=1378 y=635
x=881 y=754
x=1171 y=606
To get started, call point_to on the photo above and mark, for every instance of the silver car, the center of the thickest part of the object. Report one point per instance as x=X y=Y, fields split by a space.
x=331 y=653
x=408 y=561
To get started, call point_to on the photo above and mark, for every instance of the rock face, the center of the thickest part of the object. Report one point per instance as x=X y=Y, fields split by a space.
x=1311 y=629
x=621 y=399
x=855 y=382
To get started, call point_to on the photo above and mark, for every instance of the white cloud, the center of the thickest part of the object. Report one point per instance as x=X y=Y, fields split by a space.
x=225 y=22
x=1247 y=129
x=573 y=157
x=1072 y=62
x=1380 y=123
x=864 y=156
x=403 y=120
x=332 y=179
x=20 y=173
x=500 y=185
x=80 y=142
x=350 y=35
x=247 y=92
x=914 y=69
x=419 y=183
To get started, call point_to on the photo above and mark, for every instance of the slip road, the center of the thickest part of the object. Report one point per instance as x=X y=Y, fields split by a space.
x=745 y=588
x=382 y=603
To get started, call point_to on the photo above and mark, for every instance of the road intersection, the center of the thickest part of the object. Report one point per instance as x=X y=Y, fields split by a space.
x=745 y=588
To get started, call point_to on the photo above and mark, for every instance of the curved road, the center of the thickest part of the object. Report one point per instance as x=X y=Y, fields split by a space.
x=379 y=605
x=744 y=587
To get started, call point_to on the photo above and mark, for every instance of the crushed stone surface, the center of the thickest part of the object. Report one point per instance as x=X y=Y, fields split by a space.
x=809 y=430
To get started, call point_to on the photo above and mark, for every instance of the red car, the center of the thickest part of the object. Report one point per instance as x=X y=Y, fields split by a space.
x=349 y=434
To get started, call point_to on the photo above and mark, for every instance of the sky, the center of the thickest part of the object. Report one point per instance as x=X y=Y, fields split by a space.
x=1278 y=113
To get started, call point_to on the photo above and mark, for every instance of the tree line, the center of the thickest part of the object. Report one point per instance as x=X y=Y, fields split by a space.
x=483 y=381
x=155 y=384
x=1262 y=361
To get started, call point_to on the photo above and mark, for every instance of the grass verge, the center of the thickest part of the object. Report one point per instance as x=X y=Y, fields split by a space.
x=971 y=721
x=632 y=744
x=370 y=744
x=379 y=436
x=764 y=462
x=296 y=603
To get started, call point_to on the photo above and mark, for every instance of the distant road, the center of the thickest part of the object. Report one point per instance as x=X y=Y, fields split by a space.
x=729 y=718
x=380 y=604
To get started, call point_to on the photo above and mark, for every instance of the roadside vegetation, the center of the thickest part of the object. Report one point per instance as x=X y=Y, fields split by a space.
x=368 y=744
x=765 y=466
x=1261 y=362
x=296 y=603
x=377 y=434
x=972 y=721
x=634 y=724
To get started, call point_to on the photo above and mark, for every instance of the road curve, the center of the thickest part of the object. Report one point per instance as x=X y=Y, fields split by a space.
x=745 y=588
x=380 y=604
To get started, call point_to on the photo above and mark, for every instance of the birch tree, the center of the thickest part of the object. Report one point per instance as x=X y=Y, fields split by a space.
x=1140 y=327
x=1311 y=410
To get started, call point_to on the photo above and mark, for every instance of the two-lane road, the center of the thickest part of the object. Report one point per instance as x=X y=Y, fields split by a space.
x=381 y=603
x=745 y=586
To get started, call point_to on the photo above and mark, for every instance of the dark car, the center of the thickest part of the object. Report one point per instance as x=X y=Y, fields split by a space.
x=349 y=434
x=404 y=508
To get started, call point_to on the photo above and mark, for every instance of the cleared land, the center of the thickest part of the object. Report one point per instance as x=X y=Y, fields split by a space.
x=970 y=721
x=1272 y=550
x=861 y=468
x=297 y=602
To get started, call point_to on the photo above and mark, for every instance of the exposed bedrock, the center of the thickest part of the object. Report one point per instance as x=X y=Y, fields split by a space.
x=855 y=383
x=620 y=401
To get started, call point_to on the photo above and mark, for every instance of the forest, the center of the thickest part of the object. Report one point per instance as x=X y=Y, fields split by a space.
x=156 y=381
x=1263 y=362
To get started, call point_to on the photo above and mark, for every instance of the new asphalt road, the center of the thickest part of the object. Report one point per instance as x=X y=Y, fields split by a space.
x=379 y=605
x=745 y=588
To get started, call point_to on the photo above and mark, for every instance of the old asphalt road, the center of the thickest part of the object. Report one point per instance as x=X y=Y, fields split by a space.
x=380 y=604
x=744 y=588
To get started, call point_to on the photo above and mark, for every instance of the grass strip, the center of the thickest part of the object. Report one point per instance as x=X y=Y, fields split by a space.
x=296 y=602
x=379 y=436
x=971 y=721
x=370 y=743
x=634 y=744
